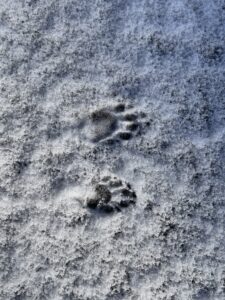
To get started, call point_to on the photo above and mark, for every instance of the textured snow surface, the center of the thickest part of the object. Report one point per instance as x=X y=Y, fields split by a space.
x=112 y=149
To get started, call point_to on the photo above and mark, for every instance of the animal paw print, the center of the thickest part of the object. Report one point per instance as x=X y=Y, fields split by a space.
x=111 y=124
x=112 y=194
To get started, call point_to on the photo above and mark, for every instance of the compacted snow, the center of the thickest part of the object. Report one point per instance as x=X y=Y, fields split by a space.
x=112 y=149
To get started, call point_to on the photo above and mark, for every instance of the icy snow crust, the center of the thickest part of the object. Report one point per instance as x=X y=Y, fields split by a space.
x=112 y=149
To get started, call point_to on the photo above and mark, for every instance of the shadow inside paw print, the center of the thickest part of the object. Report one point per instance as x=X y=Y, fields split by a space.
x=111 y=124
x=111 y=194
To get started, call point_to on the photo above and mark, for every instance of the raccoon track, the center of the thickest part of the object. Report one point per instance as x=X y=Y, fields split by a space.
x=111 y=194
x=111 y=124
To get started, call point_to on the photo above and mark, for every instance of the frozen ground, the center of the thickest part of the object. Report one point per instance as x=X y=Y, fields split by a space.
x=112 y=149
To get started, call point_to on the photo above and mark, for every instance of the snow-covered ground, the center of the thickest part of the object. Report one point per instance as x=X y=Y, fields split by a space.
x=112 y=149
